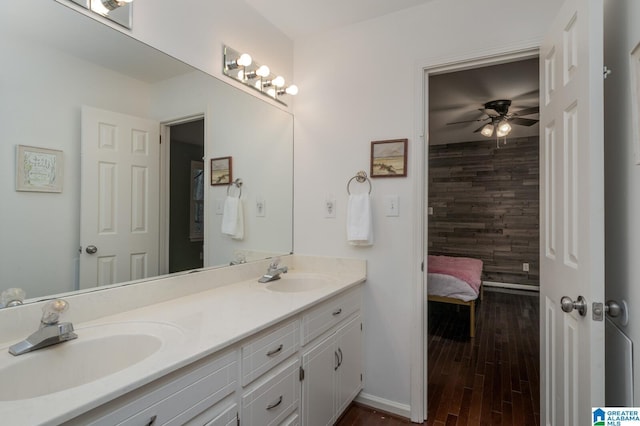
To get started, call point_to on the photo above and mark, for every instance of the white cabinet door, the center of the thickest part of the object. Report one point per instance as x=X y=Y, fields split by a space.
x=349 y=372
x=319 y=364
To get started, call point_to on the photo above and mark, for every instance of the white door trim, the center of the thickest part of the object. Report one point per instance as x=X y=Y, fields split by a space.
x=519 y=51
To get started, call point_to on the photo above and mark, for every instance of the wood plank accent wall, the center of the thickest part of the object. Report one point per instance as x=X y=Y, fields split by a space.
x=486 y=205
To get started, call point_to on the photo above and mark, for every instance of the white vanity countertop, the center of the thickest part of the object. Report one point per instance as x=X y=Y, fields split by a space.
x=208 y=321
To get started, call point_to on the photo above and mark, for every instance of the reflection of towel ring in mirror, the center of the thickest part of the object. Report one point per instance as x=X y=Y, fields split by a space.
x=238 y=184
x=360 y=177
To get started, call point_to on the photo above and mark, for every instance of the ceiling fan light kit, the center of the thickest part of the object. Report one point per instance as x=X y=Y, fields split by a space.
x=501 y=119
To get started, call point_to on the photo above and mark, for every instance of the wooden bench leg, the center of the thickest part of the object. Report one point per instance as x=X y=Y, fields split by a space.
x=472 y=319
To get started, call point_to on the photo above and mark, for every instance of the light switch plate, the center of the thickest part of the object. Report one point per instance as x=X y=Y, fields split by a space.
x=219 y=206
x=392 y=205
x=261 y=207
x=330 y=208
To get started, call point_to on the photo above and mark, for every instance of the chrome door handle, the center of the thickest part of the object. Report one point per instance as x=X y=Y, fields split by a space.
x=569 y=305
x=613 y=308
x=91 y=249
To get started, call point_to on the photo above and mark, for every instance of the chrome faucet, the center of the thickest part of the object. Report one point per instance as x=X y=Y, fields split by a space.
x=274 y=271
x=51 y=331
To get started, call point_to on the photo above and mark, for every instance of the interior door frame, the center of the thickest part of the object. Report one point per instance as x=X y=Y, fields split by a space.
x=165 y=199
x=419 y=350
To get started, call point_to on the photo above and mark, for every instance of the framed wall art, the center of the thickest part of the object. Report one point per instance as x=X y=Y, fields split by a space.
x=389 y=158
x=221 y=171
x=39 y=169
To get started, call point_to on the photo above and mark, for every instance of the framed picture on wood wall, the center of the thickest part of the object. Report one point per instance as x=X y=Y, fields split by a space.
x=389 y=158
x=221 y=171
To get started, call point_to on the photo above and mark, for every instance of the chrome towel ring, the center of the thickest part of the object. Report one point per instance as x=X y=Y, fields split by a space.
x=360 y=177
x=238 y=184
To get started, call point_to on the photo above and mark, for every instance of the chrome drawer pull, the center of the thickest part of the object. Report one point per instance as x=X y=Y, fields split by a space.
x=275 y=404
x=337 y=312
x=274 y=351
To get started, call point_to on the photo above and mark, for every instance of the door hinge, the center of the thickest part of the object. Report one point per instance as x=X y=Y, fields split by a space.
x=606 y=72
x=360 y=326
x=360 y=377
x=422 y=266
x=237 y=419
x=160 y=137
x=301 y=374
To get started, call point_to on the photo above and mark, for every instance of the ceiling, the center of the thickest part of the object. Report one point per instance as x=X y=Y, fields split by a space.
x=302 y=18
x=461 y=95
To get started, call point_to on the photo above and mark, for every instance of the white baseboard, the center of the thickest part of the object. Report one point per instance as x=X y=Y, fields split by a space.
x=386 y=405
x=512 y=286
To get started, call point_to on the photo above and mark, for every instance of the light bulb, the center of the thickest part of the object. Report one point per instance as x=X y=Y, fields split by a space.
x=503 y=129
x=271 y=92
x=278 y=81
x=292 y=90
x=98 y=7
x=263 y=71
x=487 y=130
x=244 y=60
x=241 y=75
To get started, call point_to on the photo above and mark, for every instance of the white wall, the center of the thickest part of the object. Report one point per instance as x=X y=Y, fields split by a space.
x=622 y=174
x=357 y=85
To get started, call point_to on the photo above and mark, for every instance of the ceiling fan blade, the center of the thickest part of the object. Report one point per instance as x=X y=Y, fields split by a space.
x=469 y=121
x=526 y=111
x=479 y=128
x=523 y=121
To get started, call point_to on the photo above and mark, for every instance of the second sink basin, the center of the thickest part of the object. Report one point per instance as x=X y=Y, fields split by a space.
x=99 y=351
x=299 y=282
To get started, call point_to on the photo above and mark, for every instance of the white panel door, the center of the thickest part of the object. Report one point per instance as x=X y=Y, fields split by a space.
x=120 y=173
x=318 y=398
x=572 y=213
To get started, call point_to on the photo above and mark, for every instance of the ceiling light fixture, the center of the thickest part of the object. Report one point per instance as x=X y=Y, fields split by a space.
x=503 y=129
x=487 y=130
x=251 y=74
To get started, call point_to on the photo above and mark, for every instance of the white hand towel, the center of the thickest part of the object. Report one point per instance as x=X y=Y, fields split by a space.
x=359 y=220
x=233 y=218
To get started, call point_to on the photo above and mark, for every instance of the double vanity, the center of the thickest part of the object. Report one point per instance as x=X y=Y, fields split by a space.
x=215 y=347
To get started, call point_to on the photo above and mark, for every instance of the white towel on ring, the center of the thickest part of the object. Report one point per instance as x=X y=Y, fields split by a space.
x=233 y=218
x=359 y=220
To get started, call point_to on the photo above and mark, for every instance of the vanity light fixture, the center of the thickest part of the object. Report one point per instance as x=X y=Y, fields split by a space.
x=103 y=7
x=256 y=76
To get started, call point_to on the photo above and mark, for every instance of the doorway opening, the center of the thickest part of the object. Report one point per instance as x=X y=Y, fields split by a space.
x=482 y=202
x=186 y=188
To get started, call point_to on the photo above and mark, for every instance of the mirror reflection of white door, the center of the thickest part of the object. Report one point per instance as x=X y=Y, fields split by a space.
x=572 y=213
x=119 y=223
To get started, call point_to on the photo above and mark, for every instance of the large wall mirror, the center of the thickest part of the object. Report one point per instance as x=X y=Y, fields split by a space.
x=57 y=65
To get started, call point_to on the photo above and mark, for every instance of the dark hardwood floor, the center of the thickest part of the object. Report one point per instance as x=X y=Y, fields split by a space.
x=492 y=379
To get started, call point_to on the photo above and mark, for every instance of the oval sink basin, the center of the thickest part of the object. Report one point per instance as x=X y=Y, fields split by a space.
x=99 y=351
x=299 y=283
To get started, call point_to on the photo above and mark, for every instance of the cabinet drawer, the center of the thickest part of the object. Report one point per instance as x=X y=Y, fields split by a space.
x=322 y=318
x=172 y=400
x=265 y=352
x=228 y=417
x=274 y=398
x=292 y=420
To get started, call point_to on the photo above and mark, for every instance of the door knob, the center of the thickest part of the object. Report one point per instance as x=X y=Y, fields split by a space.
x=613 y=308
x=91 y=249
x=568 y=305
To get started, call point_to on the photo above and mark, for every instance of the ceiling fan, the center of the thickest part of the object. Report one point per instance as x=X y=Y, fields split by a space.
x=500 y=119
